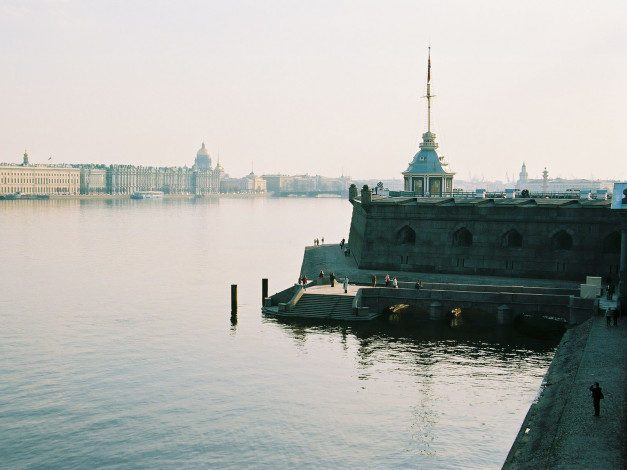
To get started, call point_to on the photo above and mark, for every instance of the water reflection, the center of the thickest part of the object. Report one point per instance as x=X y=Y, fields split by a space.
x=424 y=343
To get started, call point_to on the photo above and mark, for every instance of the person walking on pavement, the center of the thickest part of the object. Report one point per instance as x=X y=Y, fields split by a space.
x=345 y=284
x=332 y=277
x=597 y=396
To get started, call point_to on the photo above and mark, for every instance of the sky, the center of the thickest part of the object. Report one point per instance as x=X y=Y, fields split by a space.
x=318 y=87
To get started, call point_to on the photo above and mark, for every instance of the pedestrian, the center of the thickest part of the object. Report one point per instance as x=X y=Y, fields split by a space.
x=387 y=280
x=374 y=280
x=323 y=240
x=345 y=284
x=597 y=396
x=608 y=316
x=321 y=273
x=300 y=279
x=332 y=277
x=395 y=283
x=305 y=281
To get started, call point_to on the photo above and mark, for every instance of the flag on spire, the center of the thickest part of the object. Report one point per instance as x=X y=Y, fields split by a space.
x=429 y=67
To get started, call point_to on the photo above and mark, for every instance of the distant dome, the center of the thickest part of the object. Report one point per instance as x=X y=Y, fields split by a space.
x=203 y=160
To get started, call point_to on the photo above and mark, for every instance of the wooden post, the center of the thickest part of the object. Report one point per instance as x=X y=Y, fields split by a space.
x=264 y=290
x=233 y=299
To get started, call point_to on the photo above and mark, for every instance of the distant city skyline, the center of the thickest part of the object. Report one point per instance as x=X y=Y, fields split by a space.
x=323 y=88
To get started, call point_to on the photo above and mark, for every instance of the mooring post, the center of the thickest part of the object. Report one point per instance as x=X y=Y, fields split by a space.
x=233 y=299
x=264 y=290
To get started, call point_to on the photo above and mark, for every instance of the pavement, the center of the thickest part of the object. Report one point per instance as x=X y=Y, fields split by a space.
x=330 y=258
x=560 y=430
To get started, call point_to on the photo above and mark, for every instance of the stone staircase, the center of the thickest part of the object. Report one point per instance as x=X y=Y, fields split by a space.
x=331 y=306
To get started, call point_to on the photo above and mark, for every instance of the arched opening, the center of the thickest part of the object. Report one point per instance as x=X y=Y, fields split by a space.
x=562 y=241
x=611 y=243
x=406 y=236
x=462 y=237
x=512 y=239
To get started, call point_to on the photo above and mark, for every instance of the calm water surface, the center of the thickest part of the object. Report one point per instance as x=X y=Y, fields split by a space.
x=117 y=350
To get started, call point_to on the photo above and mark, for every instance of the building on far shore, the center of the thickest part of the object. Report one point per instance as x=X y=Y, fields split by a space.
x=302 y=185
x=249 y=184
x=545 y=185
x=50 y=180
x=38 y=179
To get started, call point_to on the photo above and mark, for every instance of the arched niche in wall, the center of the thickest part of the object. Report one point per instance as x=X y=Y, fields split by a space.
x=562 y=241
x=406 y=236
x=462 y=237
x=512 y=239
x=611 y=243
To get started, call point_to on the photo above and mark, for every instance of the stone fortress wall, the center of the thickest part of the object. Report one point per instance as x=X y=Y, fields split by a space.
x=533 y=238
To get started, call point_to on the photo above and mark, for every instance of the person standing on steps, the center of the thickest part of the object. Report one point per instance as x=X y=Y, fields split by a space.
x=345 y=284
x=332 y=277
x=597 y=396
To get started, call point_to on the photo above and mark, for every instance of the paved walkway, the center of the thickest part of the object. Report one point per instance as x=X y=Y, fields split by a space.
x=330 y=258
x=560 y=430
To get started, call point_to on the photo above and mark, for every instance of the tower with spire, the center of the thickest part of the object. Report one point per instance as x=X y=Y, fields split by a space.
x=428 y=174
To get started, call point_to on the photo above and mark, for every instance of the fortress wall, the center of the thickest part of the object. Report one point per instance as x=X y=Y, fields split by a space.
x=421 y=237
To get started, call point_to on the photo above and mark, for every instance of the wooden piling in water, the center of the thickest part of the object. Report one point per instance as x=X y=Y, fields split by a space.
x=233 y=299
x=264 y=290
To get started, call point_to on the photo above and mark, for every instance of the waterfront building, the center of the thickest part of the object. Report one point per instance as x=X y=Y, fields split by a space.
x=38 y=179
x=567 y=239
x=200 y=179
x=93 y=179
x=558 y=185
x=250 y=184
x=428 y=173
x=538 y=238
x=204 y=179
x=284 y=185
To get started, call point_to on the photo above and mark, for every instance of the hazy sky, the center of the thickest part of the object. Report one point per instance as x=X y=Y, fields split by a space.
x=318 y=87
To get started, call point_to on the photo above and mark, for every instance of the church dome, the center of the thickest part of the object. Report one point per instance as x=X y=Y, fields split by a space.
x=203 y=160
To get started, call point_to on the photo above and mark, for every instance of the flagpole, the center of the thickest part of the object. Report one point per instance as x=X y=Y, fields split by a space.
x=429 y=92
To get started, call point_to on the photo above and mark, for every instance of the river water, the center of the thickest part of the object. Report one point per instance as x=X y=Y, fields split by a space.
x=117 y=349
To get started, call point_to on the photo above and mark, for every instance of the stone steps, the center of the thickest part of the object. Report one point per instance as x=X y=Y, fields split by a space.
x=336 y=307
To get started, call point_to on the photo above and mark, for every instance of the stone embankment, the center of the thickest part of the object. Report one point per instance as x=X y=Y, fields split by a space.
x=559 y=430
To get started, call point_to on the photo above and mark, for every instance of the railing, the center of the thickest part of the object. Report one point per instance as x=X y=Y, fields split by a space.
x=499 y=195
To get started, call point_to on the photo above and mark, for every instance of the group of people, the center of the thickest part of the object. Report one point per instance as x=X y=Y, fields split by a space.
x=611 y=316
x=302 y=280
x=393 y=282
x=317 y=241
